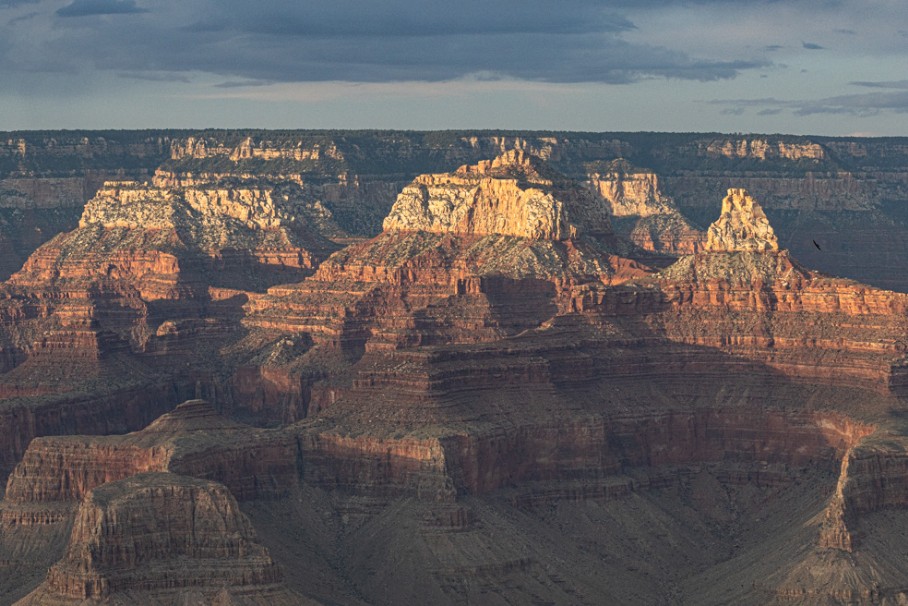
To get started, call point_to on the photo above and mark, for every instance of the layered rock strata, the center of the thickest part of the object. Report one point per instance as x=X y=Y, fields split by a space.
x=455 y=251
x=641 y=211
x=155 y=273
x=156 y=537
x=507 y=196
x=192 y=440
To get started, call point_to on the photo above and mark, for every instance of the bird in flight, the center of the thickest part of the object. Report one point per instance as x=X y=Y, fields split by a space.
x=817 y=245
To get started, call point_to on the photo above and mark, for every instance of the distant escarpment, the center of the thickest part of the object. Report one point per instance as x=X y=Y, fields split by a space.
x=841 y=192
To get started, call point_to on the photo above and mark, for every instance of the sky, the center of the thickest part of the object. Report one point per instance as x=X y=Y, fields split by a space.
x=821 y=67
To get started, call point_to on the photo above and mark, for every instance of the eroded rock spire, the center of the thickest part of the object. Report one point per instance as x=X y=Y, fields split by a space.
x=742 y=226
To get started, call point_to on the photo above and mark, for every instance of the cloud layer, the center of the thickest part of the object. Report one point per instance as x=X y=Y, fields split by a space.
x=87 y=8
x=739 y=59
x=358 y=41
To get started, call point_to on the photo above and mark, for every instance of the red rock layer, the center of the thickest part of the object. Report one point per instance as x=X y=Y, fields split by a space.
x=404 y=290
x=376 y=466
x=192 y=440
x=156 y=534
x=117 y=411
x=600 y=449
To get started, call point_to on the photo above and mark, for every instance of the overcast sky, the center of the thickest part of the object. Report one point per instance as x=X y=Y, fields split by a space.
x=833 y=67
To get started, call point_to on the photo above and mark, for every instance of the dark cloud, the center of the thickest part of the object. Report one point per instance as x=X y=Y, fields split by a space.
x=243 y=83
x=861 y=105
x=812 y=46
x=870 y=104
x=86 y=8
x=450 y=19
x=394 y=40
x=155 y=77
x=883 y=84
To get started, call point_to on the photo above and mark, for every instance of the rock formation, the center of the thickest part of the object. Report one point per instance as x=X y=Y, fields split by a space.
x=456 y=251
x=191 y=440
x=158 y=538
x=642 y=211
x=507 y=196
x=629 y=191
x=742 y=226
x=149 y=270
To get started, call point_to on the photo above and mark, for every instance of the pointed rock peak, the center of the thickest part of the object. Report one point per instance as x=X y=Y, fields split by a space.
x=742 y=226
x=515 y=162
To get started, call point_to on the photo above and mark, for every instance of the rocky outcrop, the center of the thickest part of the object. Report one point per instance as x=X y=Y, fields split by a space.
x=507 y=196
x=155 y=537
x=641 y=211
x=211 y=218
x=192 y=440
x=628 y=191
x=490 y=250
x=743 y=280
x=742 y=226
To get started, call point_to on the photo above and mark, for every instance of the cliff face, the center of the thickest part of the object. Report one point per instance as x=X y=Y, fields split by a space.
x=742 y=227
x=506 y=196
x=127 y=535
x=192 y=440
x=645 y=214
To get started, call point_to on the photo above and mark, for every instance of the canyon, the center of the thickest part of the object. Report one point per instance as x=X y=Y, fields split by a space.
x=385 y=368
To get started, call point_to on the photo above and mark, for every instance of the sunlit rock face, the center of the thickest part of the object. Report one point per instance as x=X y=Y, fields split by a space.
x=641 y=210
x=510 y=195
x=742 y=226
